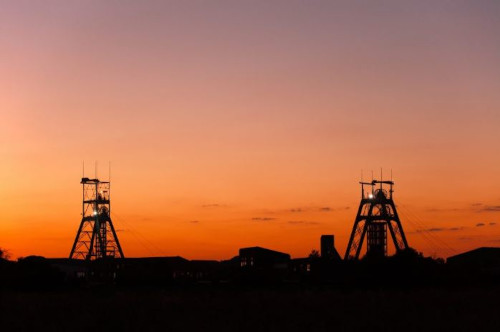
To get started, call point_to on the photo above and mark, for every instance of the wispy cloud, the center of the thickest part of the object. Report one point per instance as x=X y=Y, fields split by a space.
x=435 y=209
x=480 y=207
x=303 y=222
x=440 y=229
x=213 y=205
x=481 y=224
x=317 y=209
x=194 y=221
x=452 y=229
x=490 y=208
x=263 y=218
x=477 y=207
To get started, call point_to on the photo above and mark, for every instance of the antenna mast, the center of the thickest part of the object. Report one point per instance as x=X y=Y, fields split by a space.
x=376 y=213
x=96 y=237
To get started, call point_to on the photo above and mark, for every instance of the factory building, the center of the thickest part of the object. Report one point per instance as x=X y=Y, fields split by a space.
x=484 y=258
x=257 y=257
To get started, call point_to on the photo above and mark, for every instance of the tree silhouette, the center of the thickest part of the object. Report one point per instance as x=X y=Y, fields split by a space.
x=4 y=254
x=314 y=254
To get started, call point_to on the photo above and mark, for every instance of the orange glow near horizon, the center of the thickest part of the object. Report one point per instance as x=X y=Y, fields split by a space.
x=231 y=124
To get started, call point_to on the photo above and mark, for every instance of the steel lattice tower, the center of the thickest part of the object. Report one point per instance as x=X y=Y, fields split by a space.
x=96 y=237
x=376 y=213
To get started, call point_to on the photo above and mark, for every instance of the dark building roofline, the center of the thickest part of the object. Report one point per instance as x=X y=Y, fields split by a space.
x=477 y=250
x=264 y=250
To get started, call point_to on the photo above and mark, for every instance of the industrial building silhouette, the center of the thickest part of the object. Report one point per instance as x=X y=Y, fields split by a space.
x=97 y=256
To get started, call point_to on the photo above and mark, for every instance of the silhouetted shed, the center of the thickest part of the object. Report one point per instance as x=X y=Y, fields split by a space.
x=480 y=258
x=71 y=268
x=257 y=257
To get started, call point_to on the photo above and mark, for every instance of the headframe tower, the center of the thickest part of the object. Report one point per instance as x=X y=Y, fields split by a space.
x=376 y=214
x=96 y=237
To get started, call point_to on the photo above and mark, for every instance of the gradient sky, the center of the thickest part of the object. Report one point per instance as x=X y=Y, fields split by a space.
x=241 y=123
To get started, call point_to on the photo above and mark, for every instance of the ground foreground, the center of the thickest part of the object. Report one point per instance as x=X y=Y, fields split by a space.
x=252 y=309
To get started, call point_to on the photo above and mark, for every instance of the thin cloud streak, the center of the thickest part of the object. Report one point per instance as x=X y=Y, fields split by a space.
x=263 y=218
x=302 y=222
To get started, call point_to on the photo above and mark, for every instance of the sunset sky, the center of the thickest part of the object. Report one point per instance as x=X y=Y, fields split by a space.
x=241 y=123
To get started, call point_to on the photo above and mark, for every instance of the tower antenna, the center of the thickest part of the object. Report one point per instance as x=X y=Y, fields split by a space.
x=376 y=214
x=96 y=236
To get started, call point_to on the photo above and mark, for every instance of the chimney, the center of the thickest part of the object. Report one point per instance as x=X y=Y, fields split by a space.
x=327 y=246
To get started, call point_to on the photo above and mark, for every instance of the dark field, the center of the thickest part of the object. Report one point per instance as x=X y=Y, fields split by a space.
x=224 y=309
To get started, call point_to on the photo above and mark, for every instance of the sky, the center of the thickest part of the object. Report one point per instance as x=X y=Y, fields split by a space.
x=248 y=123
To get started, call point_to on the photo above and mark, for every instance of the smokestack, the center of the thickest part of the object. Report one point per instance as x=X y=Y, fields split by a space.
x=327 y=246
